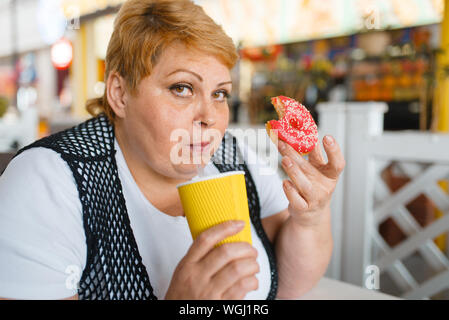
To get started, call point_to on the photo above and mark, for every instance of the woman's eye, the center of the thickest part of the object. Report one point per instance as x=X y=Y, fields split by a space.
x=220 y=95
x=182 y=90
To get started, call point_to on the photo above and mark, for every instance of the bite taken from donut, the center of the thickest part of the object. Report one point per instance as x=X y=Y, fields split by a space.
x=295 y=125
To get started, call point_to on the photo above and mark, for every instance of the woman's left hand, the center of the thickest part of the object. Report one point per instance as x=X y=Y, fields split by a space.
x=312 y=182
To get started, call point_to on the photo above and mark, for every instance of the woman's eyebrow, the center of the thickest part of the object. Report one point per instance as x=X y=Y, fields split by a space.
x=223 y=83
x=197 y=76
x=188 y=71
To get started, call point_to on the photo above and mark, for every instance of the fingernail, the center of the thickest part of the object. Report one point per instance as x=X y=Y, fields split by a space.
x=239 y=224
x=286 y=185
x=287 y=162
x=329 y=140
x=281 y=145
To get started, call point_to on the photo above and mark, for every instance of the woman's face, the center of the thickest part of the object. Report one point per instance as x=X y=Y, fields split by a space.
x=179 y=107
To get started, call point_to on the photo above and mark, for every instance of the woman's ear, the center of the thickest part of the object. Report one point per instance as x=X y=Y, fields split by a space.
x=116 y=94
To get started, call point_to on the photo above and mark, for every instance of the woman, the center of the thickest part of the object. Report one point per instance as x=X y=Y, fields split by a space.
x=94 y=213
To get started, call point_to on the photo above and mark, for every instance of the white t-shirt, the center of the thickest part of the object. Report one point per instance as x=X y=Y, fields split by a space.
x=42 y=240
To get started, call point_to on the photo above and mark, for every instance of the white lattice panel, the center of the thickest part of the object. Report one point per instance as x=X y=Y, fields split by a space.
x=367 y=201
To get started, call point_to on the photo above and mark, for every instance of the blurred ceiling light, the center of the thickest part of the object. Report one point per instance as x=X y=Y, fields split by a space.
x=256 y=23
x=51 y=20
x=62 y=54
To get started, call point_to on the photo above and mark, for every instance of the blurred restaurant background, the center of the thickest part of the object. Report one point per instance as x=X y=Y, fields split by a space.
x=372 y=73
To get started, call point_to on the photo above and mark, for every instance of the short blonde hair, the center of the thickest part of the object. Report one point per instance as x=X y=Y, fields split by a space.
x=143 y=28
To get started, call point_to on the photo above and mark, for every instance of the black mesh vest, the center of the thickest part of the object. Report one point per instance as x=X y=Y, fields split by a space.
x=114 y=268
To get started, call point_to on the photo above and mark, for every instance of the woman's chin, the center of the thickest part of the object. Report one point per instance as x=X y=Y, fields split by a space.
x=189 y=168
x=187 y=171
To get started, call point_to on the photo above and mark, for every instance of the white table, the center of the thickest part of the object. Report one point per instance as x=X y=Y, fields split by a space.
x=330 y=289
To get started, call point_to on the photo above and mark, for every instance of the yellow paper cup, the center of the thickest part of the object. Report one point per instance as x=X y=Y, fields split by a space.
x=216 y=199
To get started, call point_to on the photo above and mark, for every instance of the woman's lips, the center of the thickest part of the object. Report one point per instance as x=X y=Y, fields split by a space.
x=200 y=147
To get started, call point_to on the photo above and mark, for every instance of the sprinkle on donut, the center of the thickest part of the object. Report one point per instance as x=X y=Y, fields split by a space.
x=295 y=125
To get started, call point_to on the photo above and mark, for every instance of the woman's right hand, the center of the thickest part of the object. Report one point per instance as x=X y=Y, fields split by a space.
x=226 y=272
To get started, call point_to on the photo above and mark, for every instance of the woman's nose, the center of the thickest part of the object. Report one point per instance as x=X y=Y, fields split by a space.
x=206 y=122
x=205 y=114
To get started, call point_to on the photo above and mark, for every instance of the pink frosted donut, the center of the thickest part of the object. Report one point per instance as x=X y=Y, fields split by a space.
x=295 y=125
